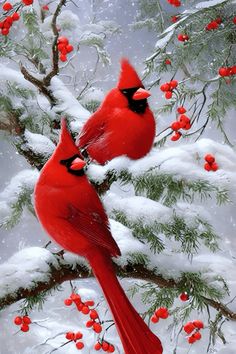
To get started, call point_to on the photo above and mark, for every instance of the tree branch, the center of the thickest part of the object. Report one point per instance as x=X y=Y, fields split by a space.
x=64 y=271
x=55 y=67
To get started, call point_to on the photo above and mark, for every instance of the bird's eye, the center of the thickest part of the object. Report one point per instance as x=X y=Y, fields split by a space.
x=124 y=92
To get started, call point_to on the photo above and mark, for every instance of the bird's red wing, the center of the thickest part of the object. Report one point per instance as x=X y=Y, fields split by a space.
x=92 y=130
x=94 y=227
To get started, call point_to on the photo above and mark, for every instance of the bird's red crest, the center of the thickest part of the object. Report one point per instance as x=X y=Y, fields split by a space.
x=128 y=76
x=66 y=145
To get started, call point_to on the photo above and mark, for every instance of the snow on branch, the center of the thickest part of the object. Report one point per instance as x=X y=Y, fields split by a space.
x=34 y=270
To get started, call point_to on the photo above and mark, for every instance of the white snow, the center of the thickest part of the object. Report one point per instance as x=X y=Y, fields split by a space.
x=8 y=74
x=24 y=268
x=68 y=104
x=24 y=179
x=39 y=143
x=162 y=42
x=210 y=3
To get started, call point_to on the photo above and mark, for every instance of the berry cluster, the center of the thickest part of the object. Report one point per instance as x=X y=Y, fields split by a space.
x=234 y=20
x=183 y=122
x=64 y=48
x=71 y=336
x=183 y=37
x=168 y=88
x=23 y=321
x=84 y=308
x=227 y=71
x=195 y=327
x=105 y=346
x=161 y=312
x=175 y=3
x=8 y=21
x=210 y=164
x=213 y=24
x=184 y=296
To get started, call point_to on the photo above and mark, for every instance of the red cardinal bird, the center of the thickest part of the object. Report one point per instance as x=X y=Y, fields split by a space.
x=124 y=123
x=71 y=212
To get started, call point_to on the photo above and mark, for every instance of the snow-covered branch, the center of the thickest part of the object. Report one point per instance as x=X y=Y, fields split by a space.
x=34 y=270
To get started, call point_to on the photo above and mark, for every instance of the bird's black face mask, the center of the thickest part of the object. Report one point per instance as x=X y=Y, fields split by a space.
x=137 y=106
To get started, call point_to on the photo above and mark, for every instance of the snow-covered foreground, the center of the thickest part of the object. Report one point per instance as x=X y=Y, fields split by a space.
x=47 y=331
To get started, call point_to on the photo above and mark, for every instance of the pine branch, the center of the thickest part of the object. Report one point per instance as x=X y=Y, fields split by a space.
x=60 y=271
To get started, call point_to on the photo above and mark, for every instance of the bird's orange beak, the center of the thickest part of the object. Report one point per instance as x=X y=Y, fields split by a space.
x=141 y=94
x=77 y=164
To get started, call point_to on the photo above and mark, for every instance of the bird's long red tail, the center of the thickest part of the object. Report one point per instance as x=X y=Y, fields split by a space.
x=135 y=335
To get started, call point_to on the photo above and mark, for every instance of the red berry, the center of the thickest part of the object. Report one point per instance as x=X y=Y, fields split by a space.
x=187 y=126
x=45 y=8
x=184 y=122
x=165 y=87
x=181 y=110
x=184 y=297
x=176 y=136
x=185 y=37
x=93 y=314
x=111 y=348
x=191 y=340
x=218 y=20
x=63 y=57
x=168 y=95
x=214 y=166
x=24 y=327
x=89 y=323
x=224 y=71
x=209 y=158
x=70 y=336
x=63 y=50
x=79 y=345
x=189 y=327
x=167 y=62
x=105 y=346
x=162 y=312
x=78 y=335
x=68 y=302
x=26 y=320
x=63 y=40
x=75 y=298
x=5 y=31
x=15 y=16
x=175 y=125
x=28 y=2
x=207 y=166
x=69 y=48
x=7 y=6
x=173 y=84
x=85 y=310
x=97 y=346
x=61 y=46
x=197 y=335
x=154 y=319
x=97 y=327
x=233 y=69
x=174 y=19
x=8 y=20
x=234 y=20
x=18 y=320
x=79 y=306
x=89 y=303
x=1 y=24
